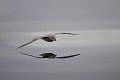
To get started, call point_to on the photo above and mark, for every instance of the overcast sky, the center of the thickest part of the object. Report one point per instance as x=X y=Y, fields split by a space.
x=29 y=15
x=97 y=22
x=40 y=10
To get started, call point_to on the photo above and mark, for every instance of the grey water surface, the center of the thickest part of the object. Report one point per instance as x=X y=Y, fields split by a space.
x=97 y=22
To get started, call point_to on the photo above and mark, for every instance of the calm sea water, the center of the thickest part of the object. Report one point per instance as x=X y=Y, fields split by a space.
x=97 y=22
x=99 y=59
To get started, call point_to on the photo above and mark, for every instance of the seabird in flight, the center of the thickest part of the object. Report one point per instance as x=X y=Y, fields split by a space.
x=49 y=55
x=47 y=38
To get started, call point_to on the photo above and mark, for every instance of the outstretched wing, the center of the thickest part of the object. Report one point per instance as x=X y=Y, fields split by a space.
x=35 y=39
x=29 y=55
x=65 y=33
x=68 y=56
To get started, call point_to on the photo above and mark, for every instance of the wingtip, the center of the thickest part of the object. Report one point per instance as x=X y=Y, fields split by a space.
x=73 y=34
x=77 y=54
x=17 y=48
x=66 y=33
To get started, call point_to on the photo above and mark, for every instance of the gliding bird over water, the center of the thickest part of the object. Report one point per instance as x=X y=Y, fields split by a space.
x=47 y=38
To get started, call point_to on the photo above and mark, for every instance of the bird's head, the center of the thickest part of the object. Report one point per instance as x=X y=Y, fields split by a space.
x=51 y=36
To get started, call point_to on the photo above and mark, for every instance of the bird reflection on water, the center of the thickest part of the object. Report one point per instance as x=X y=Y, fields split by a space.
x=49 y=55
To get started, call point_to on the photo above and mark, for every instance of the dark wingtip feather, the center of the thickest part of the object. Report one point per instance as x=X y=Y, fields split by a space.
x=29 y=55
x=25 y=44
x=66 y=33
x=68 y=56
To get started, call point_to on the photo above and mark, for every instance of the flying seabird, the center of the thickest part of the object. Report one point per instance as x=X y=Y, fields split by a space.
x=47 y=38
x=49 y=55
